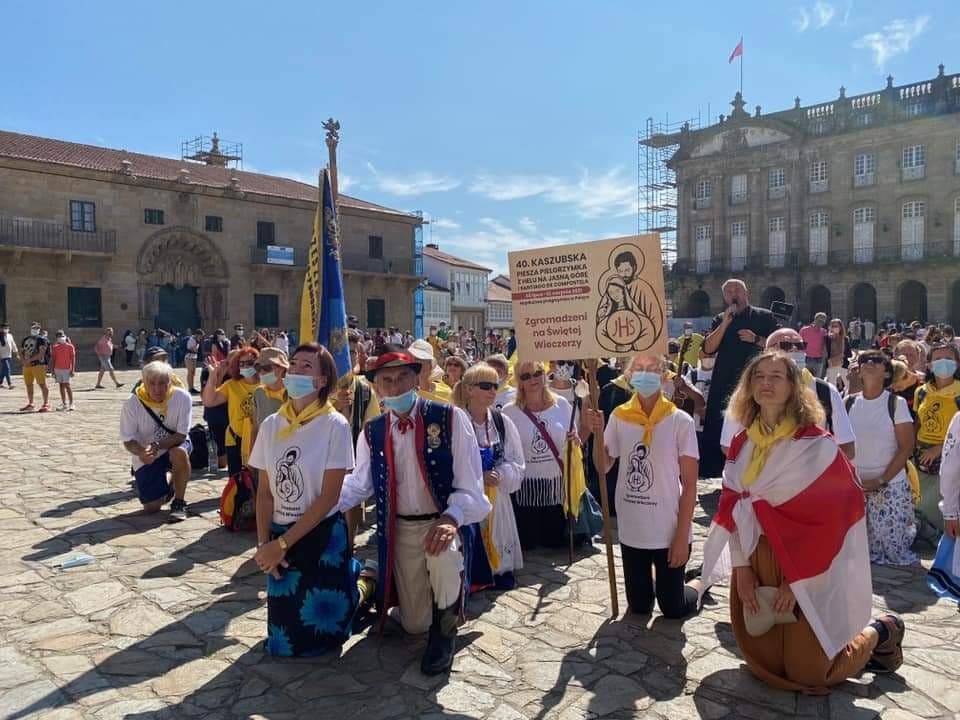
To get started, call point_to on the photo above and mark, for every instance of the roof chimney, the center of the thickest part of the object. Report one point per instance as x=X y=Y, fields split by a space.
x=126 y=167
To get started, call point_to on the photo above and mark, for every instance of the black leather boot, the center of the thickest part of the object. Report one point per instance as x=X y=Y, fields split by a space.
x=442 y=641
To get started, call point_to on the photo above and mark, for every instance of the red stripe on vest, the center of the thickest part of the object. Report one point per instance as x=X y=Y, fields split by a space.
x=808 y=531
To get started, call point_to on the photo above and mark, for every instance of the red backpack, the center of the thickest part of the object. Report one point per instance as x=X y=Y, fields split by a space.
x=238 y=502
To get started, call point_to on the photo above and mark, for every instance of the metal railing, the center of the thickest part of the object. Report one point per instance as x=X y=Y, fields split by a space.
x=364 y=263
x=738 y=198
x=40 y=235
x=819 y=186
x=917 y=172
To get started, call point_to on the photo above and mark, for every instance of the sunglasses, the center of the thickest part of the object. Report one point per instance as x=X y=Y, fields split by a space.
x=872 y=360
x=788 y=345
x=527 y=376
x=484 y=385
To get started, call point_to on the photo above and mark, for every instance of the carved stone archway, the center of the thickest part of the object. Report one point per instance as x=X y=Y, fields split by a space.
x=180 y=256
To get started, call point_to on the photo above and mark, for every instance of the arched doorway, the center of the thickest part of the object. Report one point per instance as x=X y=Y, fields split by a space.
x=183 y=281
x=912 y=302
x=863 y=302
x=955 y=304
x=698 y=304
x=771 y=295
x=818 y=300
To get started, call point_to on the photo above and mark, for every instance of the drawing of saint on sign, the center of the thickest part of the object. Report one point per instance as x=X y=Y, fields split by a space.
x=630 y=316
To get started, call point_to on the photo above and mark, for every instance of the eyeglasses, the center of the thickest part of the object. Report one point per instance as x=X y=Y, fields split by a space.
x=527 y=376
x=788 y=345
x=871 y=360
x=484 y=385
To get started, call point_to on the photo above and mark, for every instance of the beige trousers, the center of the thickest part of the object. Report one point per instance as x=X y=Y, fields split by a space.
x=423 y=579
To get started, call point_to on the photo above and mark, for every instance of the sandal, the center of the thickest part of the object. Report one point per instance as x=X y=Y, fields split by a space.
x=888 y=656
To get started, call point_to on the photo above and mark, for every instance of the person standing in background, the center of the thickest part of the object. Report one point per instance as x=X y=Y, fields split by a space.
x=104 y=352
x=815 y=336
x=63 y=359
x=8 y=350
x=34 y=358
x=689 y=346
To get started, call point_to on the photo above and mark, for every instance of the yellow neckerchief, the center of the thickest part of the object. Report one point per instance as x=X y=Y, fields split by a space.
x=280 y=394
x=633 y=412
x=763 y=441
x=807 y=376
x=295 y=420
x=945 y=393
x=621 y=382
x=160 y=408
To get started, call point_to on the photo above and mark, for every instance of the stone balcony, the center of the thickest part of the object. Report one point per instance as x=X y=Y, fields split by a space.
x=28 y=235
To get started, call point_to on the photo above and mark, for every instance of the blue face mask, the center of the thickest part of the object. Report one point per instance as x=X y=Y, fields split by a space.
x=268 y=378
x=944 y=367
x=401 y=404
x=248 y=372
x=645 y=383
x=299 y=386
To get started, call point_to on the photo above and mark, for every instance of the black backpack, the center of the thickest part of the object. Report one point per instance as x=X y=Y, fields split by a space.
x=199 y=454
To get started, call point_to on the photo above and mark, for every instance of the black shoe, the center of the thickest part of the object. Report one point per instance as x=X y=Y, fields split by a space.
x=442 y=642
x=178 y=510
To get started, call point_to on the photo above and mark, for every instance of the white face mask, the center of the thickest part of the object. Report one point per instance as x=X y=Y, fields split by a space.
x=799 y=357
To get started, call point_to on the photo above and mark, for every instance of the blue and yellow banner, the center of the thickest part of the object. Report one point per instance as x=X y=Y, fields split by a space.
x=323 y=312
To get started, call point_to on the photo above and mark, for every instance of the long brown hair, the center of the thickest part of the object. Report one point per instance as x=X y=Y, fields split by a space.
x=802 y=405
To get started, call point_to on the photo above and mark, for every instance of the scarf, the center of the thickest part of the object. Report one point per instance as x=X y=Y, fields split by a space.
x=633 y=412
x=295 y=420
x=807 y=376
x=160 y=408
x=763 y=441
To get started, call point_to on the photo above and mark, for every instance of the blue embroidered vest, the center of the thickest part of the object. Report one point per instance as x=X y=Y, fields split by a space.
x=434 y=432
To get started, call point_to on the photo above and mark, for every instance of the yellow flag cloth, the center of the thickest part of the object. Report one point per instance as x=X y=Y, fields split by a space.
x=486 y=529
x=633 y=412
x=807 y=377
x=913 y=477
x=160 y=408
x=311 y=411
x=763 y=440
x=574 y=480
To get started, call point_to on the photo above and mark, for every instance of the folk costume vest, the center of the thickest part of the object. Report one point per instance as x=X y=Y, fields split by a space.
x=433 y=425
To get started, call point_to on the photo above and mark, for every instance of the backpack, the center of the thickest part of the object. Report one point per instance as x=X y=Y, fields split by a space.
x=922 y=394
x=823 y=395
x=199 y=454
x=238 y=502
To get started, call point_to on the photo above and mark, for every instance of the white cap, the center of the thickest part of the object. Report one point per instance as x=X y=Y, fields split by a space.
x=421 y=350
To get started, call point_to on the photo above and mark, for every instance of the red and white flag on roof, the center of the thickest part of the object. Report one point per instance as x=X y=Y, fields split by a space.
x=808 y=504
x=737 y=52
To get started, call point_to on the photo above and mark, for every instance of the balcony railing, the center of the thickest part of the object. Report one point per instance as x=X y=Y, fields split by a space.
x=738 y=198
x=364 y=263
x=777 y=192
x=263 y=256
x=916 y=172
x=819 y=186
x=26 y=234
x=864 y=180
x=794 y=260
x=702 y=203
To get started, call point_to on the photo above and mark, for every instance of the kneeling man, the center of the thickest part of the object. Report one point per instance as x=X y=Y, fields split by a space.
x=420 y=461
x=155 y=429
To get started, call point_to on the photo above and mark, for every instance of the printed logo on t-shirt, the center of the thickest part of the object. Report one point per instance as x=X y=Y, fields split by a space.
x=158 y=432
x=933 y=422
x=247 y=406
x=640 y=473
x=539 y=445
x=289 y=478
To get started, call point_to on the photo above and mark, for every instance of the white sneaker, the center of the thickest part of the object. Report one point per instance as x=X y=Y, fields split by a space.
x=71 y=407
x=63 y=407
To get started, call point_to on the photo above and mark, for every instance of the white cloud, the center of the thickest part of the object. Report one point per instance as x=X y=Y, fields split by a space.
x=415 y=183
x=445 y=224
x=802 y=21
x=819 y=16
x=825 y=12
x=894 y=39
x=610 y=194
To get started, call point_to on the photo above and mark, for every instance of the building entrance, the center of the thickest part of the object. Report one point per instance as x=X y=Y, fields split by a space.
x=178 y=308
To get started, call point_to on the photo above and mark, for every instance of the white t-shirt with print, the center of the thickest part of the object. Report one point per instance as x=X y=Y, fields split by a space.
x=648 y=485
x=876 y=437
x=295 y=464
x=540 y=460
x=136 y=423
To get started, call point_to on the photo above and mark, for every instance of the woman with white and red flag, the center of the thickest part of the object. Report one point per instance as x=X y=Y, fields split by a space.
x=791 y=523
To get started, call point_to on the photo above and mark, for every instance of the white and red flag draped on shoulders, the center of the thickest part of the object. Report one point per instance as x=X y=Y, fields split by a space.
x=808 y=503
x=737 y=52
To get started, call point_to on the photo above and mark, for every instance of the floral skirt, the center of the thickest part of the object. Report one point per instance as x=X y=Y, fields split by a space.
x=891 y=524
x=310 y=609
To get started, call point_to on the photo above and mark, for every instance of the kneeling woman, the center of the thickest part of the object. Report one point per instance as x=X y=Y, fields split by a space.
x=791 y=522
x=303 y=452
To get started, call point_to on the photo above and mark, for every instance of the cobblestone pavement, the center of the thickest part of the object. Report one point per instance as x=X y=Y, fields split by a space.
x=168 y=621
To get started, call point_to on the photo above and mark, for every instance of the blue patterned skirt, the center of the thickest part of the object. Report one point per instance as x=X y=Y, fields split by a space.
x=310 y=609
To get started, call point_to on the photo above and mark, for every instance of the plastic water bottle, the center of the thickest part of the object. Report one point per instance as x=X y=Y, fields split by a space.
x=76 y=561
x=212 y=459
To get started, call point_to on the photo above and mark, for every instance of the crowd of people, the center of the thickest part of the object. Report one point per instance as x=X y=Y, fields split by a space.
x=833 y=440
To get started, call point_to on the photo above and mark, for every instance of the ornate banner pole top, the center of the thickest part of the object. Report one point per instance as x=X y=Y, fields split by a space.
x=333 y=139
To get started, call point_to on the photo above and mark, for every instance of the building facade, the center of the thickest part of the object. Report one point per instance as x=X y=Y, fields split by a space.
x=93 y=237
x=850 y=207
x=499 y=304
x=466 y=282
x=436 y=306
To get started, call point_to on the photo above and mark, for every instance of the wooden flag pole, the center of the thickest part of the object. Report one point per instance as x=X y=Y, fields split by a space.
x=599 y=463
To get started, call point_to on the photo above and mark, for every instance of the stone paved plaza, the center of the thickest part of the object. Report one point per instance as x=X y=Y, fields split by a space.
x=168 y=621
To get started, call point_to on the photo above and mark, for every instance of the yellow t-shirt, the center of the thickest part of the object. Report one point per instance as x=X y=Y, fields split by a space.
x=441 y=392
x=692 y=354
x=240 y=411
x=935 y=412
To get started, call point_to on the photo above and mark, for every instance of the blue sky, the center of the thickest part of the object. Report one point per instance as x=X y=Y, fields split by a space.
x=509 y=124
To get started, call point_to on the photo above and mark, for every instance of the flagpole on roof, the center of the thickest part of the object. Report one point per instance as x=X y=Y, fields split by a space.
x=333 y=139
x=741 y=69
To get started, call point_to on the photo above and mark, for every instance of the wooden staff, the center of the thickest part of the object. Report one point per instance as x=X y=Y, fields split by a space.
x=599 y=463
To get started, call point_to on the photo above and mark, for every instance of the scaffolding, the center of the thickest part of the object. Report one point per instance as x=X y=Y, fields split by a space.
x=213 y=151
x=657 y=183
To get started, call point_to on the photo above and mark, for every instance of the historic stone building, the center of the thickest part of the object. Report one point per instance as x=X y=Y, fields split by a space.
x=851 y=206
x=93 y=237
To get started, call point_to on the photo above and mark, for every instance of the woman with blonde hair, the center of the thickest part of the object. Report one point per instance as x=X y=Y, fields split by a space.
x=542 y=420
x=838 y=352
x=791 y=522
x=498 y=555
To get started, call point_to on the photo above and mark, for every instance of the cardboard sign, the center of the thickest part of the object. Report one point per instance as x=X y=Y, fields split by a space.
x=589 y=300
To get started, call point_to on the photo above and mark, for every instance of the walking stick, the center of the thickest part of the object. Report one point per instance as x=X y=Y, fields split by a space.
x=598 y=463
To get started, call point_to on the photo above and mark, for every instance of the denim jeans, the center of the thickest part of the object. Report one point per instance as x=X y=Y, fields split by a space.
x=5 y=371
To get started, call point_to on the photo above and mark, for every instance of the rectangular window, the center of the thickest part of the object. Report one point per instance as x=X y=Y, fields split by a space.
x=911 y=230
x=956 y=236
x=82 y=216
x=83 y=308
x=738 y=189
x=777 y=240
x=266 y=310
x=864 y=119
x=266 y=233
x=776 y=178
x=738 y=245
x=818 y=176
x=864 y=169
x=819 y=237
x=864 y=222
x=152 y=216
x=376 y=247
x=376 y=314
x=704 y=189
x=214 y=223
x=703 y=235
x=914 y=156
